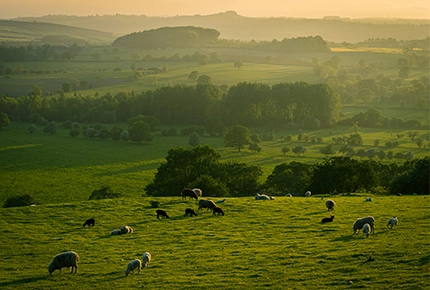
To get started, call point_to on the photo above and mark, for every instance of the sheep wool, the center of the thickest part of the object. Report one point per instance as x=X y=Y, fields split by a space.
x=133 y=265
x=146 y=258
x=366 y=230
x=64 y=260
x=359 y=223
x=330 y=204
x=393 y=222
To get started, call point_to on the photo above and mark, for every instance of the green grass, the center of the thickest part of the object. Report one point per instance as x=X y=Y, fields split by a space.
x=277 y=244
x=57 y=168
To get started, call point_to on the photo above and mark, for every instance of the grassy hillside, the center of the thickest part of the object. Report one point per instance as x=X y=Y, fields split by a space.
x=277 y=244
x=57 y=168
x=34 y=32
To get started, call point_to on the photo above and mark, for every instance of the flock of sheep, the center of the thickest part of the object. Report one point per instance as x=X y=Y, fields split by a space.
x=70 y=259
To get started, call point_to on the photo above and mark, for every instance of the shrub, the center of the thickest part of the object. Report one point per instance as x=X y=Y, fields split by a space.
x=104 y=192
x=20 y=200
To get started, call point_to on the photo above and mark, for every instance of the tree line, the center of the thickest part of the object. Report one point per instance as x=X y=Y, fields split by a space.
x=248 y=104
x=201 y=167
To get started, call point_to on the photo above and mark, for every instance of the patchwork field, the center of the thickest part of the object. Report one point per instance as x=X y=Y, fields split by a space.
x=277 y=244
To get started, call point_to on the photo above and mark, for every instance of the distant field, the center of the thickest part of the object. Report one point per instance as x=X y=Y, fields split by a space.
x=56 y=168
x=102 y=77
x=277 y=244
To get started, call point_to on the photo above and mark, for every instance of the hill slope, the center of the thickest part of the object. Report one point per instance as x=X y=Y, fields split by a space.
x=234 y=26
x=42 y=32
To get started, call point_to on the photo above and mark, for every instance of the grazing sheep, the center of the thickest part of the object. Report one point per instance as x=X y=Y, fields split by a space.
x=261 y=196
x=64 y=260
x=272 y=197
x=327 y=220
x=369 y=199
x=198 y=191
x=206 y=203
x=330 y=204
x=133 y=265
x=366 y=230
x=308 y=193
x=190 y=193
x=146 y=258
x=218 y=211
x=161 y=213
x=89 y=222
x=392 y=222
x=289 y=195
x=125 y=230
x=220 y=200
x=398 y=194
x=359 y=223
x=190 y=212
x=115 y=232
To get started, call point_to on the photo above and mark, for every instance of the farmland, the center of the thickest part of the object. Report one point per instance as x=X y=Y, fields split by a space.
x=279 y=244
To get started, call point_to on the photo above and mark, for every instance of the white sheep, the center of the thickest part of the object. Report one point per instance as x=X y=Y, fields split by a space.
x=198 y=191
x=220 y=200
x=126 y=230
x=64 y=260
x=308 y=193
x=115 y=232
x=367 y=230
x=133 y=265
x=289 y=195
x=146 y=258
x=392 y=222
x=369 y=199
x=330 y=204
x=261 y=197
x=359 y=223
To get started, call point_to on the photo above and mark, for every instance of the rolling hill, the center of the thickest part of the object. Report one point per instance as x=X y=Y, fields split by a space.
x=50 y=33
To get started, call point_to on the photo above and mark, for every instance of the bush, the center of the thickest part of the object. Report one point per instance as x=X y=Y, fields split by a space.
x=21 y=200
x=103 y=193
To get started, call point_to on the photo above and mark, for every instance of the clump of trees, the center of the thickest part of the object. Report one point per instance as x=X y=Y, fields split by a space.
x=20 y=200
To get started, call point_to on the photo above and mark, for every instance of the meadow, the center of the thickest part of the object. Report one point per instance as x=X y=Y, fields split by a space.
x=58 y=168
x=276 y=244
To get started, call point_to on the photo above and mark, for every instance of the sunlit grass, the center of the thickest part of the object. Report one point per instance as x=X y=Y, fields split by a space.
x=279 y=244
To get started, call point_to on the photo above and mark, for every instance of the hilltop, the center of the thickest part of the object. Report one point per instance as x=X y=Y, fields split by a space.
x=234 y=26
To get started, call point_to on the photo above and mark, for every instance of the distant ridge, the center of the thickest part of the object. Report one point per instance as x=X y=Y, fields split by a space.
x=12 y=31
x=234 y=26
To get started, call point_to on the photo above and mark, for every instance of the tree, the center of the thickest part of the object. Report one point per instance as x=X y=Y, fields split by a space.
x=404 y=72
x=193 y=75
x=74 y=132
x=139 y=132
x=237 y=136
x=51 y=128
x=214 y=126
x=204 y=79
x=254 y=147
x=66 y=87
x=36 y=91
x=32 y=128
x=293 y=177
x=4 y=120
x=238 y=64
x=194 y=139
x=414 y=178
x=285 y=150
x=299 y=150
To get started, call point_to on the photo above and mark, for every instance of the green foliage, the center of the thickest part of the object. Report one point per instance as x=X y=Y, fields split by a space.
x=194 y=139
x=293 y=178
x=4 y=120
x=139 y=132
x=254 y=147
x=173 y=37
x=20 y=200
x=103 y=193
x=51 y=128
x=237 y=136
x=414 y=179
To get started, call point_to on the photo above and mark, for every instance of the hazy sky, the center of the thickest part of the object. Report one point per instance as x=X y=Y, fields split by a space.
x=262 y=8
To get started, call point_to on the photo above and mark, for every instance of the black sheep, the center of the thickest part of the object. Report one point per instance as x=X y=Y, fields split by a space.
x=89 y=222
x=190 y=212
x=161 y=213
x=327 y=220
x=218 y=211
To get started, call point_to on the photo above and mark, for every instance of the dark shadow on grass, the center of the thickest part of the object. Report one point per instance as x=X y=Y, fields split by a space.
x=345 y=238
x=24 y=281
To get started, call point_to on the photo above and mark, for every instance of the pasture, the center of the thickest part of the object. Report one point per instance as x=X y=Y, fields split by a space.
x=275 y=244
x=57 y=168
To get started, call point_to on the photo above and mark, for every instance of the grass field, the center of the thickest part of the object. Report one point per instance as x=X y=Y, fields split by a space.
x=57 y=168
x=277 y=244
